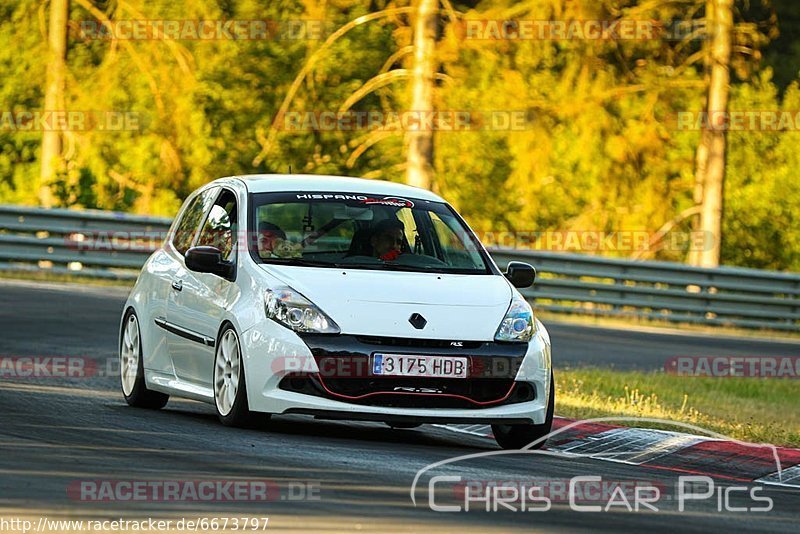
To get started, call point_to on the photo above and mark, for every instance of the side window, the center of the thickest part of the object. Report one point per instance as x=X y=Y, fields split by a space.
x=190 y=222
x=220 y=228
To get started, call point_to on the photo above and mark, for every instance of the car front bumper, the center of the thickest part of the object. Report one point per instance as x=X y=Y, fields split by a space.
x=287 y=373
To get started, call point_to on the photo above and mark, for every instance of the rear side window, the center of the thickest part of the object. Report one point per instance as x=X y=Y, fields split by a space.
x=191 y=219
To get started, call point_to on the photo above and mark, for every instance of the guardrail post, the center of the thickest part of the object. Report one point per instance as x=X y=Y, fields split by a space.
x=708 y=291
x=620 y=280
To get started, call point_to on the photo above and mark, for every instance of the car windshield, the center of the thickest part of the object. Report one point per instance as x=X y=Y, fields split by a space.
x=363 y=231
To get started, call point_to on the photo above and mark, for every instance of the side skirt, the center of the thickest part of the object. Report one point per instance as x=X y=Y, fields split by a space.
x=173 y=386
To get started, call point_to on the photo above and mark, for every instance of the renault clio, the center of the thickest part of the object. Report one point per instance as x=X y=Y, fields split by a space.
x=336 y=298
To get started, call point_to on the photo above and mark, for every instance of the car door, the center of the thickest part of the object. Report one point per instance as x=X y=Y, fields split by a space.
x=198 y=308
x=181 y=240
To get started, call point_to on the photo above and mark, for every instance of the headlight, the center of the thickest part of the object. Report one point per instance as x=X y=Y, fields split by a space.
x=291 y=309
x=518 y=324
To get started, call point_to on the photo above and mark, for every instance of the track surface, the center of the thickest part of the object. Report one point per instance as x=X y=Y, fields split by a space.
x=56 y=431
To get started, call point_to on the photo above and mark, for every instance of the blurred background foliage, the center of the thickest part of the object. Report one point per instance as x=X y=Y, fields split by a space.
x=601 y=152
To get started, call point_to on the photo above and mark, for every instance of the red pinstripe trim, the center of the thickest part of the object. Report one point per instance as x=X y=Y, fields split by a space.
x=358 y=397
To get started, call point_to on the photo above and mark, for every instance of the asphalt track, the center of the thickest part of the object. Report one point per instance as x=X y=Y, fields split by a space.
x=57 y=432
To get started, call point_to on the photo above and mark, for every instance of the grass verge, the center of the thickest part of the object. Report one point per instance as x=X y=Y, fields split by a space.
x=747 y=409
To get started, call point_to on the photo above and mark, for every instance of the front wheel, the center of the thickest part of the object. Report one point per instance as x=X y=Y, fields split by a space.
x=519 y=436
x=131 y=368
x=230 y=385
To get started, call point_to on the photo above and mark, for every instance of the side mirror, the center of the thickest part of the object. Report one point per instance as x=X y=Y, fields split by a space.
x=520 y=274
x=208 y=260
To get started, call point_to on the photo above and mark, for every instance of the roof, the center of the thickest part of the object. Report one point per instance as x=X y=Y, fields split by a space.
x=268 y=183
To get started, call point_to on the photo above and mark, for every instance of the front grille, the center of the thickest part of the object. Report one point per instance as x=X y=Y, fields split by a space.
x=345 y=373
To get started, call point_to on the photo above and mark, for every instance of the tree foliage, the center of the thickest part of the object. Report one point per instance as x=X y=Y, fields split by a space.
x=599 y=150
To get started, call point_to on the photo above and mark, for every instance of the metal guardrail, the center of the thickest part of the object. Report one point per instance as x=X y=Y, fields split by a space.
x=80 y=243
x=673 y=292
x=115 y=245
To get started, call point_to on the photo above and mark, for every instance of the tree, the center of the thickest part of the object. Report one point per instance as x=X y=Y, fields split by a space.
x=54 y=96
x=419 y=171
x=710 y=173
x=595 y=148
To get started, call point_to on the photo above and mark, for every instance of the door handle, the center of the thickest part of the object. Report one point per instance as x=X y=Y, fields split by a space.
x=177 y=285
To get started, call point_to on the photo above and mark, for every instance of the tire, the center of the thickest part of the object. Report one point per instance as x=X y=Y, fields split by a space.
x=519 y=436
x=230 y=384
x=131 y=367
x=403 y=426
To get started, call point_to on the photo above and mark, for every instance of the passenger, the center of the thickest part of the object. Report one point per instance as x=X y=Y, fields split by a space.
x=269 y=237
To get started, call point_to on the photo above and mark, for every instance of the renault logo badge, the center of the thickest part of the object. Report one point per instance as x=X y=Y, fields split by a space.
x=417 y=321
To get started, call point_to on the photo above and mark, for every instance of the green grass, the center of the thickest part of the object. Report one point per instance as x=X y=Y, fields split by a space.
x=748 y=409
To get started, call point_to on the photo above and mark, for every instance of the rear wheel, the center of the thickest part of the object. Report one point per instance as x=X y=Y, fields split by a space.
x=230 y=385
x=519 y=436
x=131 y=368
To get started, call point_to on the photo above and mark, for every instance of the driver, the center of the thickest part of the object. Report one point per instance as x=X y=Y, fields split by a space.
x=388 y=238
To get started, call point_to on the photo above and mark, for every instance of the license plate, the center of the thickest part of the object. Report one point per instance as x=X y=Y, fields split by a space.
x=426 y=366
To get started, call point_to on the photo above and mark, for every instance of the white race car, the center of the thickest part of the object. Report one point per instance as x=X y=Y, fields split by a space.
x=338 y=298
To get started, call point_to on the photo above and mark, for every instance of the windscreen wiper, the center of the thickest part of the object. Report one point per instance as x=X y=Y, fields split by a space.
x=388 y=266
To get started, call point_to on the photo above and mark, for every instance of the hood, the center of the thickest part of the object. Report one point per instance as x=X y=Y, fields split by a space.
x=380 y=303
